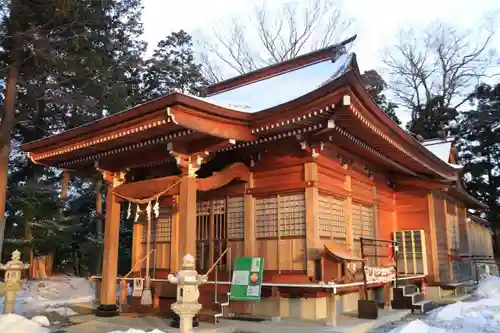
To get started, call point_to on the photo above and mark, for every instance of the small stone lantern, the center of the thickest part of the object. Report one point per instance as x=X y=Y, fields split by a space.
x=187 y=281
x=12 y=282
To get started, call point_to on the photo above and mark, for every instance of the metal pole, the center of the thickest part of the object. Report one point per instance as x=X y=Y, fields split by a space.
x=395 y=254
x=365 y=287
x=230 y=265
x=215 y=287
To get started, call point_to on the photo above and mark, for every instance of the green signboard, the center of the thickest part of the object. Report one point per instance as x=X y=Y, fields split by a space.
x=247 y=279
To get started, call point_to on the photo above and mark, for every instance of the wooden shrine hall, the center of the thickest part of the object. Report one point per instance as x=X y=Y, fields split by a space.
x=293 y=163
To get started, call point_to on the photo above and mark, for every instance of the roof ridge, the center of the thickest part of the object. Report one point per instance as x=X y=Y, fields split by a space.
x=276 y=69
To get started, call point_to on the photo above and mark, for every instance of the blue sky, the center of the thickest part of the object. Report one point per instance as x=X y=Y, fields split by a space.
x=375 y=22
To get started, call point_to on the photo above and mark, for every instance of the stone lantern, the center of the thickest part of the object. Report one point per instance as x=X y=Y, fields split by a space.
x=187 y=281
x=12 y=281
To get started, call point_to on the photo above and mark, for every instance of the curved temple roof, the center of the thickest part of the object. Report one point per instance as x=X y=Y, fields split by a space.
x=321 y=92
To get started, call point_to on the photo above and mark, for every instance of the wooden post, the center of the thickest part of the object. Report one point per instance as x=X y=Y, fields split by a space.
x=376 y=221
x=65 y=185
x=211 y=238
x=108 y=307
x=312 y=229
x=137 y=248
x=174 y=238
x=187 y=217
x=249 y=224
x=348 y=209
x=448 y=240
x=98 y=213
x=433 y=240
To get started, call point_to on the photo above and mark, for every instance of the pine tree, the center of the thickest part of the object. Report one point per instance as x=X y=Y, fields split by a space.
x=375 y=85
x=480 y=149
x=172 y=68
x=86 y=65
x=433 y=120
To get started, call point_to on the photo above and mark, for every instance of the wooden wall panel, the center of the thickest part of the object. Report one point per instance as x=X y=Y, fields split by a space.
x=162 y=253
x=412 y=213
x=331 y=178
x=268 y=249
x=386 y=223
x=272 y=180
x=292 y=254
x=361 y=188
x=441 y=237
x=386 y=197
x=237 y=250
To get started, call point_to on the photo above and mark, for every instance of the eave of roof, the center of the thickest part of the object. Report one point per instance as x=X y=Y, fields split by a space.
x=391 y=126
x=157 y=105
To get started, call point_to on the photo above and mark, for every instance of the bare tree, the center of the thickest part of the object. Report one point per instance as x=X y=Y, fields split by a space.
x=270 y=35
x=439 y=60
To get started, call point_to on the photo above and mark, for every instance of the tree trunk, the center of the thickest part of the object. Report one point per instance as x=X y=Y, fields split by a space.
x=8 y=121
x=4 y=174
x=77 y=265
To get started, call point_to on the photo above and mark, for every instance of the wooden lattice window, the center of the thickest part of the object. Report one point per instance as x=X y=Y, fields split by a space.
x=266 y=213
x=219 y=215
x=235 y=217
x=362 y=221
x=164 y=226
x=362 y=225
x=161 y=227
x=412 y=258
x=332 y=221
x=292 y=214
x=202 y=220
x=203 y=209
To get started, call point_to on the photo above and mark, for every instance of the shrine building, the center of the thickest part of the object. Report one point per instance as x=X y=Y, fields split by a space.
x=293 y=163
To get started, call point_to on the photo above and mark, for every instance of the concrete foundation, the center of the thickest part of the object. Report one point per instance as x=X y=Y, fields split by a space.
x=305 y=308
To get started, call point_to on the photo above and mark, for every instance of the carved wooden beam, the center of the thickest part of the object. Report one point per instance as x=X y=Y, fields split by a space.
x=111 y=177
x=191 y=161
x=218 y=179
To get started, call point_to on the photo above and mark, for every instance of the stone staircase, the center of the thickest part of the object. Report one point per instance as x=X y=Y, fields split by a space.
x=408 y=296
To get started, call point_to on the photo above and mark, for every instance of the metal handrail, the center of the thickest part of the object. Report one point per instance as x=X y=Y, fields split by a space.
x=328 y=285
x=228 y=252
x=125 y=278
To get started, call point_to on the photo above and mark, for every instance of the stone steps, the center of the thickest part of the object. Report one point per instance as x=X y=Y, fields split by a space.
x=409 y=297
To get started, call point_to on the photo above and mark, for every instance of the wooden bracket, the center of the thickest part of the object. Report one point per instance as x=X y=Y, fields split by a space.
x=314 y=148
x=110 y=177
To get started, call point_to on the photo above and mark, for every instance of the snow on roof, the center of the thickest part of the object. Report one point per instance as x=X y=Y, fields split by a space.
x=440 y=147
x=276 y=90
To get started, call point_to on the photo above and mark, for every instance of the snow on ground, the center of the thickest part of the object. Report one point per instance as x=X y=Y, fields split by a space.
x=133 y=330
x=13 y=323
x=51 y=293
x=481 y=315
